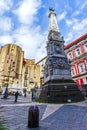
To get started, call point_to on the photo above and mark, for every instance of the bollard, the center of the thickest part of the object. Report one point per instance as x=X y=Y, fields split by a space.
x=33 y=117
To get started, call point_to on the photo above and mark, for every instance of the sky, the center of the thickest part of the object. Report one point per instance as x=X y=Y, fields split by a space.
x=26 y=22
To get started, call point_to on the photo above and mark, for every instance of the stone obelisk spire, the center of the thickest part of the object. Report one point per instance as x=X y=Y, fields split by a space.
x=52 y=21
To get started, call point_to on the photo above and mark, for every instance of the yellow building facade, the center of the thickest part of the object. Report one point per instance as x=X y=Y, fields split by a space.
x=11 y=64
x=16 y=70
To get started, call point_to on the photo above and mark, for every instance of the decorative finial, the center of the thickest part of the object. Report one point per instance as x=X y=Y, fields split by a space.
x=51 y=9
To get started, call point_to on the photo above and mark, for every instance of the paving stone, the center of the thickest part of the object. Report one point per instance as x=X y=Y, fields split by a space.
x=72 y=116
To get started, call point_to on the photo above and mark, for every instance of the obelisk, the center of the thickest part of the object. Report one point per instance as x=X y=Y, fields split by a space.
x=58 y=84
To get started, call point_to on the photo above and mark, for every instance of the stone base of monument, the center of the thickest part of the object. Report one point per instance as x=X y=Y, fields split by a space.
x=60 y=91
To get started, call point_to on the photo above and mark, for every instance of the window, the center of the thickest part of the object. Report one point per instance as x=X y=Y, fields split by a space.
x=85 y=80
x=81 y=68
x=72 y=71
x=41 y=81
x=25 y=77
x=17 y=76
x=78 y=51
x=86 y=46
x=25 y=83
x=70 y=55
x=26 y=70
x=12 y=50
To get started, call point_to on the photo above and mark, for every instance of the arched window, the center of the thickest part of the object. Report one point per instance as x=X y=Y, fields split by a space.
x=69 y=55
x=78 y=51
x=81 y=67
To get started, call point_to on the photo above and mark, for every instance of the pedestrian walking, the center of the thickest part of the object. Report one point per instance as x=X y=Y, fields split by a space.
x=25 y=92
x=16 y=96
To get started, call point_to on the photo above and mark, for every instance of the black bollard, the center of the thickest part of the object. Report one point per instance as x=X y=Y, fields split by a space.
x=33 y=117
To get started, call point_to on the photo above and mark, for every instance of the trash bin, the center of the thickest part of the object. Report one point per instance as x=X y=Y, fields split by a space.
x=33 y=117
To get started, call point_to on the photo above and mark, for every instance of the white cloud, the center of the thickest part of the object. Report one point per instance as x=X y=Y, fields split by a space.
x=27 y=35
x=69 y=22
x=84 y=4
x=77 y=28
x=41 y=52
x=72 y=21
x=4 y=39
x=31 y=41
x=68 y=37
x=5 y=5
x=24 y=31
x=80 y=8
x=62 y=16
x=27 y=10
x=76 y=13
x=5 y=24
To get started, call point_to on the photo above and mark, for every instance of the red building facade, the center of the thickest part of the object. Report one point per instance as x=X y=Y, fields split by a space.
x=76 y=53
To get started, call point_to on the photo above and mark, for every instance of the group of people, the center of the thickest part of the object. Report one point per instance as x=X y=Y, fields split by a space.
x=5 y=93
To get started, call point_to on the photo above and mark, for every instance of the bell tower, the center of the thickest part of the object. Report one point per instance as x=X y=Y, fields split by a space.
x=58 y=84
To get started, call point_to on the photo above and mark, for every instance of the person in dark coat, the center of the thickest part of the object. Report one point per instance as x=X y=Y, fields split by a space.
x=25 y=92
x=16 y=96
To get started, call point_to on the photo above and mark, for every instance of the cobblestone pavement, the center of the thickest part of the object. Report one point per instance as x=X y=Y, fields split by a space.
x=71 y=116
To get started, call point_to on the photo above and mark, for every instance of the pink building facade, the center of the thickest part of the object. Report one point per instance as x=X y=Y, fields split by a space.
x=76 y=53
